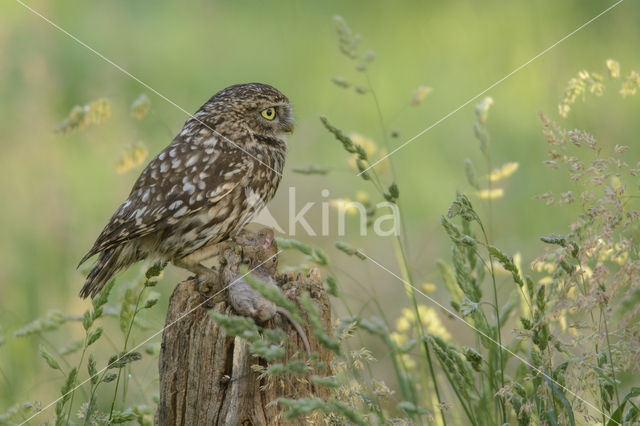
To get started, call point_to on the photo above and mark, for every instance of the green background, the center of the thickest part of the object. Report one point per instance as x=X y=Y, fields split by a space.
x=56 y=192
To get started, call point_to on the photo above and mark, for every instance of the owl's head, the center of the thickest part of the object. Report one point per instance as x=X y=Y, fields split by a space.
x=257 y=107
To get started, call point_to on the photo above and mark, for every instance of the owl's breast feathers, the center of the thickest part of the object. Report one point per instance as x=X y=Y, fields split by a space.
x=193 y=174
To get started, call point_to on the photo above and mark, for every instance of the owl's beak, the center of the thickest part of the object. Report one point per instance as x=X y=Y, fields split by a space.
x=289 y=129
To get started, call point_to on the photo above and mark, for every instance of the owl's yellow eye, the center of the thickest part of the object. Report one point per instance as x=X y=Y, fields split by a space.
x=269 y=113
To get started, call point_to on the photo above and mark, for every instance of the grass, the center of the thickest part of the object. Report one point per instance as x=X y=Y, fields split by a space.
x=538 y=376
x=549 y=343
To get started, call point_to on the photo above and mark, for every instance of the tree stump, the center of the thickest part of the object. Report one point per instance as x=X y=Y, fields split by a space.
x=206 y=375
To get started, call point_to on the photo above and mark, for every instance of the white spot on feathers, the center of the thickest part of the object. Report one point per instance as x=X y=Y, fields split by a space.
x=192 y=160
x=140 y=212
x=231 y=173
x=253 y=198
x=180 y=212
x=188 y=187
x=175 y=205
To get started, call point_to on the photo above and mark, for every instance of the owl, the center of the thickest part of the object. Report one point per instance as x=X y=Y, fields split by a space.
x=212 y=179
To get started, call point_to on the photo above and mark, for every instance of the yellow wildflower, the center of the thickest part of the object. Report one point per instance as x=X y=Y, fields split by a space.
x=503 y=172
x=621 y=257
x=492 y=194
x=614 y=68
x=371 y=149
x=431 y=321
x=403 y=324
x=344 y=205
x=577 y=87
x=587 y=272
x=482 y=109
x=140 y=107
x=82 y=116
x=562 y=319
x=368 y=144
x=398 y=338
x=428 y=287
x=408 y=314
x=615 y=181
x=630 y=84
x=131 y=157
x=382 y=166
x=547 y=267
x=419 y=94
x=363 y=197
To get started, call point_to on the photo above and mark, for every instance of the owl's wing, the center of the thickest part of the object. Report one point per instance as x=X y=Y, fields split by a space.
x=183 y=179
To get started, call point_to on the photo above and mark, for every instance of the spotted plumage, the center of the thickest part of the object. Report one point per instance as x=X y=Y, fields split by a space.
x=217 y=173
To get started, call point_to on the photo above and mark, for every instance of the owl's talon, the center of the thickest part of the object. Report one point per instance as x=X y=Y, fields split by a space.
x=204 y=285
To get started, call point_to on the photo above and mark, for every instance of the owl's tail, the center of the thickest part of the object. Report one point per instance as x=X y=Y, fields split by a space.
x=109 y=262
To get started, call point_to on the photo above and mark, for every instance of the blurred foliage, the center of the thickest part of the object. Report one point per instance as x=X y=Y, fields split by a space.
x=58 y=189
x=82 y=116
x=132 y=156
x=594 y=83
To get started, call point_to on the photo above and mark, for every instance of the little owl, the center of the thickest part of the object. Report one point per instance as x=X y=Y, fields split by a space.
x=214 y=177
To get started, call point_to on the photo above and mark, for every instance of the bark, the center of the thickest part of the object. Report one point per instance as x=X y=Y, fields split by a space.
x=206 y=375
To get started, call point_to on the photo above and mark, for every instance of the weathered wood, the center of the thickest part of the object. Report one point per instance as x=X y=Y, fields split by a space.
x=206 y=376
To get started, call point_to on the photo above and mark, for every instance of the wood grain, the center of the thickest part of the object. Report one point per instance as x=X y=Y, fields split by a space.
x=206 y=376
